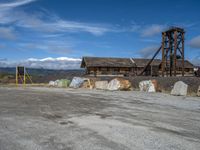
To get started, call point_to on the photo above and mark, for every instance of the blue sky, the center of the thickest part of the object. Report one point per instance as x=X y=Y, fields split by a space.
x=57 y=33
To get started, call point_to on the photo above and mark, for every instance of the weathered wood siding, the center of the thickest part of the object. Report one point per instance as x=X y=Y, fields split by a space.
x=110 y=70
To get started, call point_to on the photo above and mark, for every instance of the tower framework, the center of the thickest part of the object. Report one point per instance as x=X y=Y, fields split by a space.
x=172 y=50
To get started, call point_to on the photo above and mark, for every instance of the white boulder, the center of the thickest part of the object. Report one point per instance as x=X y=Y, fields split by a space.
x=51 y=83
x=77 y=82
x=113 y=85
x=119 y=84
x=147 y=86
x=179 y=89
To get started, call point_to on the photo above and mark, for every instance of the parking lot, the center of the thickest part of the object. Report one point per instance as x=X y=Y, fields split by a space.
x=79 y=119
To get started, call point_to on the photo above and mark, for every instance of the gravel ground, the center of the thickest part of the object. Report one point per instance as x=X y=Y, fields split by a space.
x=66 y=119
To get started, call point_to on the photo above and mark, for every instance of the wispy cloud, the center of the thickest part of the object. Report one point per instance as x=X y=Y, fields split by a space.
x=15 y=3
x=7 y=16
x=195 y=42
x=53 y=46
x=148 y=52
x=46 y=63
x=59 y=26
x=47 y=29
x=51 y=31
x=153 y=30
x=196 y=60
x=48 y=23
x=7 y=33
x=2 y=46
x=3 y=59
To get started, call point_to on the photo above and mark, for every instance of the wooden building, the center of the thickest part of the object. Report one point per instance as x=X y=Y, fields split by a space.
x=189 y=68
x=97 y=66
x=152 y=70
x=108 y=66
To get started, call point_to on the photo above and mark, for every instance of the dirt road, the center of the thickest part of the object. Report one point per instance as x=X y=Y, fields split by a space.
x=66 y=119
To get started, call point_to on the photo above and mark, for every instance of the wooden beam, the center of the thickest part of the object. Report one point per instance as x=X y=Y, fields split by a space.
x=175 y=49
x=163 y=54
x=183 y=57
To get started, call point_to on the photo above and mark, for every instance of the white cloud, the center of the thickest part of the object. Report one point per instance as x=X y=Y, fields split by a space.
x=55 y=59
x=46 y=63
x=3 y=59
x=63 y=26
x=195 y=42
x=55 y=46
x=8 y=16
x=196 y=61
x=2 y=46
x=15 y=4
x=48 y=23
x=148 y=52
x=7 y=33
x=152 y=30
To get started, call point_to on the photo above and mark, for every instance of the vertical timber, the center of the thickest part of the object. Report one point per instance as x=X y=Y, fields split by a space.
x=183 y=65
x=175 y=54
x=163 y=54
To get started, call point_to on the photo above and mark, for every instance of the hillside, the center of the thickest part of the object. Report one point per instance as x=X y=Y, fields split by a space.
x=7 y=75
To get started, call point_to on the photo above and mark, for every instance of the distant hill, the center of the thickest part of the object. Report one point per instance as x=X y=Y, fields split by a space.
x=7 y=75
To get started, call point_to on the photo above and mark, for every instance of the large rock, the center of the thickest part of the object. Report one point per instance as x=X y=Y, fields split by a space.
x=53 y=83
x=63 y=83
x=156 y=86
x=148 y=85
x=179 y=89
x=198 y=91
x=77 y=82
x=101 y=85
x=88 y=83
x=119 y=84
x=124 y=84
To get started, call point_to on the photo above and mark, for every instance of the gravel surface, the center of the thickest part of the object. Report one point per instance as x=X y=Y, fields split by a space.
x=67 y=119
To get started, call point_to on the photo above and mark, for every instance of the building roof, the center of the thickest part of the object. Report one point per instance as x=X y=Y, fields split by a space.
x=106 y=62
x=125 y=62
x=140 y=62
x=156 y=62
x=187 y=64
